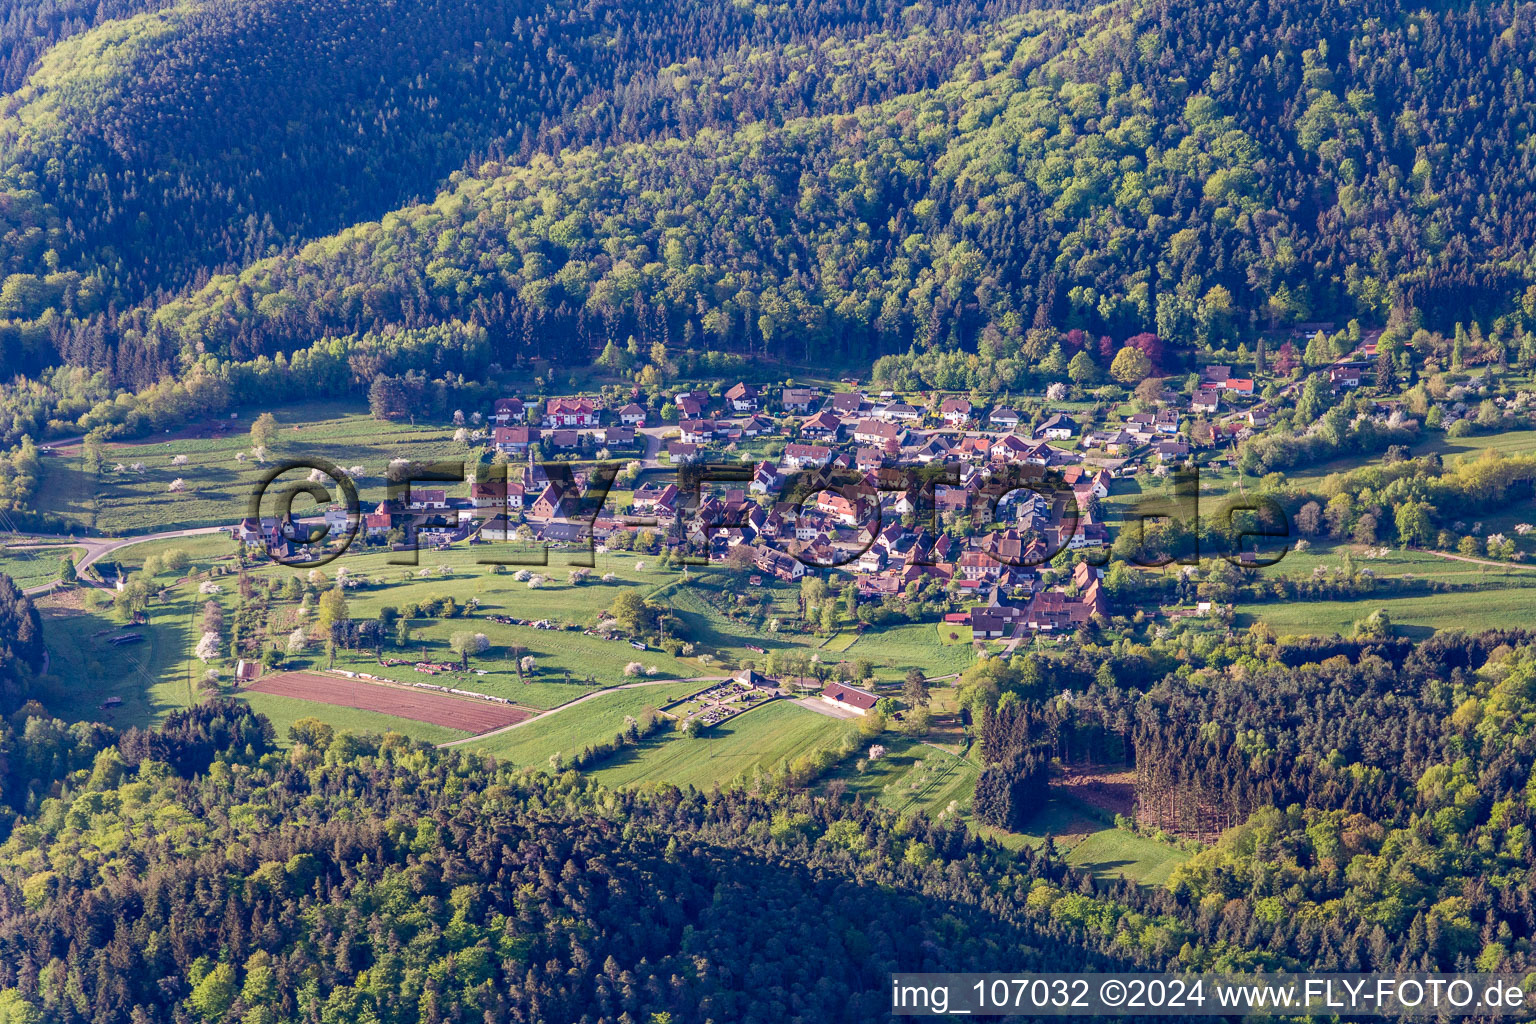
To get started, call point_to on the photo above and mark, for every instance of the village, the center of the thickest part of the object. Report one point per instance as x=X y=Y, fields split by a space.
x=988 y=502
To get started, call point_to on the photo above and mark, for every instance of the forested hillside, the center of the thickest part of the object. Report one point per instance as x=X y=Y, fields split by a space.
x=1377 y=798
x=150 y=150
x=943 y=180
x=193 y=872
x=1368 y=802
x=28 y=29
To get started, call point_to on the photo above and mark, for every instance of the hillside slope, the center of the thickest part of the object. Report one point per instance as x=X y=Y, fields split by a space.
x=1124 y=181
x=971 y=184
x=209 y=133
x=195 y=875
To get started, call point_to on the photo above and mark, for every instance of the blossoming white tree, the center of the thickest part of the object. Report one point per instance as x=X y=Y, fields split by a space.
x=208 y=647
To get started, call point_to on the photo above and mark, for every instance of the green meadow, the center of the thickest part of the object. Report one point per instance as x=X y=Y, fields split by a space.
x=911 y=776
x=1415 y=616
x=760 y=738
x=568 y=730
x=217 y=484
x=1087 y=841
x=895 y=649
x=152 y=677
x=31 y=567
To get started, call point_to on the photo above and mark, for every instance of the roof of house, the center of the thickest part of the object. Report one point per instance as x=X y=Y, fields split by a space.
x=573 y=405
x=1058 y=420
x=515 y=435
x=851 y=695
x=878 y=428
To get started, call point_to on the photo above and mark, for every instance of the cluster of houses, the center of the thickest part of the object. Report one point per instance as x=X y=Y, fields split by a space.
x=995 y=508
x=561 y=425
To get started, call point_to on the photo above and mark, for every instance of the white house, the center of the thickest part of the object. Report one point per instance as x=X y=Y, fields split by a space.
x=955 y=411
x=742 y=397
x=765 y=480
x=849 y=698
x=806 y=456
x=1058 y=427
x=877 y=432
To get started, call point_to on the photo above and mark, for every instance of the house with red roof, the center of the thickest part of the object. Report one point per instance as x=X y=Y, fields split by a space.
x=849 y=698
x=570 y=412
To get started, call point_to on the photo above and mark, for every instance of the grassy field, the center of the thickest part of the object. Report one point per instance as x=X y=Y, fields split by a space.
x=911 y=777
x=158 y=676
x=569 y=730
x=841 y=642
x=218 y=488
x=696 y=603
x=895 y=649
x=396 y=584
x=1412 y=616
x=1089 y=842
x=30 y=567
x=84 y=670
x=760 y=738
x=697 y=600
x=1397 y=562
x=1510 y=442
x=555 y=651
x=951 y=633
x=203 y=550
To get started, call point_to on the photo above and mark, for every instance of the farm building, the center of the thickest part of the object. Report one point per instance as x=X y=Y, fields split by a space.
x=849 y=698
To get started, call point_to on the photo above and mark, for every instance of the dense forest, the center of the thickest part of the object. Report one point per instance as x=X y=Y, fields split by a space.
x=1381 y=787
x=28 y=29
x=1377 y=798
x=192 y=874
x=834 y=178
x=147 y=153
